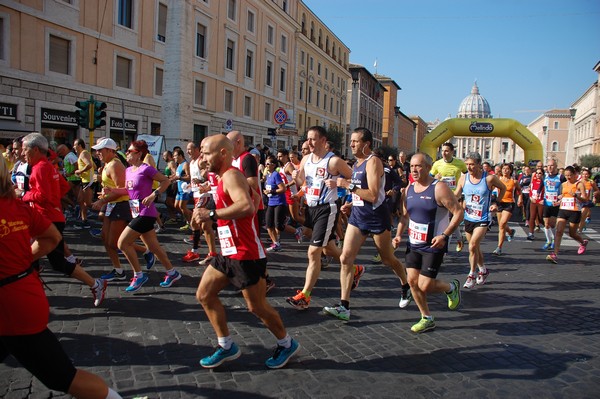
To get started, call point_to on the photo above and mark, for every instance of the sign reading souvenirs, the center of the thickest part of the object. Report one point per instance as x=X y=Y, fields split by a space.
x=481 y=127
x=117 y=124
x=59 y=118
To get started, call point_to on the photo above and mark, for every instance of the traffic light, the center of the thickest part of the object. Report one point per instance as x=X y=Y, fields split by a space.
x=83 y=113
x=99 y=114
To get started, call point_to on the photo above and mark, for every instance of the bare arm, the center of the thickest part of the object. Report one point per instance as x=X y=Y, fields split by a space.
x=45 y=242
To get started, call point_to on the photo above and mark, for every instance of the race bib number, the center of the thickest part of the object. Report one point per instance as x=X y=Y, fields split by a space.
x=450 y=181
x=20 y=182
x=226 y=241
x=109 y=208
x=357 y=201
x=474 y=209
x=134 y=205
x=535 y=195
x=568 y=204
x=268 y=188
x=417 y=232
x=551 y=197
x=312 y=195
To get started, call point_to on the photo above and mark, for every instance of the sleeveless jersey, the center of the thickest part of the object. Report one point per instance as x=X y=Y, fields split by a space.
x=86 y=176
x=477 y=199
x=316 y=193
x=509 y=194
x=368 y=215
x=239 y=164
x=525 y=183
x=20 y=176
x=195 y=174
x=551 y=189
x=536 y=192
x=568 y=201
x=108 y=182
x=239 y=235
x=427 y=219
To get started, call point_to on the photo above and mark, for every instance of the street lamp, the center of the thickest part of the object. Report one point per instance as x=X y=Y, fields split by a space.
x=355 y=75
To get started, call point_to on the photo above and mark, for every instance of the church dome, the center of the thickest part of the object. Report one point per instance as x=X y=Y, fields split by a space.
x=474 y=105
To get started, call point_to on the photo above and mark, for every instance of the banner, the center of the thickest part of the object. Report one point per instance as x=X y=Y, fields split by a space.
x=155 y=146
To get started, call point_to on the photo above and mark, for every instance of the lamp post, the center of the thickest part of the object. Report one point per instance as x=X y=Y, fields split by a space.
x=355 y=101
x=569 y=154
x=396 y=140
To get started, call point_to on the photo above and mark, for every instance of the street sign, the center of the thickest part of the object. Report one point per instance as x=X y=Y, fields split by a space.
x=280 y=116
x=229 y=125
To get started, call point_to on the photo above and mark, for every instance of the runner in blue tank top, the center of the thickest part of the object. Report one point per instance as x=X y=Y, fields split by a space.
x=477 y=187
x=427 y=204
x=369 y=214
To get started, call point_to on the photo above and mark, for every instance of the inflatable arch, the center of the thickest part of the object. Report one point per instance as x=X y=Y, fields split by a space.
x=500 y=127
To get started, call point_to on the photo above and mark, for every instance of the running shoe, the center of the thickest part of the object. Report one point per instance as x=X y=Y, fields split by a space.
x=423 y=325
x=270 y=285
x=82 y=225
x=99 y=292
x=459 y=245
x=511 y=235
x=454 y=296
x=552 y=246
x=281 y=355
x=189 y=240
x=171 y=221
x=497 y=251
x=299 y=301
x=170 y=279
x=470 y=283
x=136 y=283
x=405 y=296
x=358 y=273
x=552 y=258
x=482 y=277
x=221 y=356
x=207 y=259
x=190 y=256
x=114 y=275
x=376 y=259
x=275 y=247
x=299 y=235
x=338 y=311
x=582 y=247
x=530 y=237
x=538 y=228
x=96 y=233
x=184 y=227
x=158 y=229
x=150 y=260
x=547 y=245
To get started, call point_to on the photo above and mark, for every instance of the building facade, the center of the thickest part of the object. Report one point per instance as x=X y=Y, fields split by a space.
x=552 y=129
x=391 y=111
x=585 y=134
x=184 y=69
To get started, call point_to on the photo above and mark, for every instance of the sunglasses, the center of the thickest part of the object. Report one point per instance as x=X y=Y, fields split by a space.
x=132 y=150
x=390 y=160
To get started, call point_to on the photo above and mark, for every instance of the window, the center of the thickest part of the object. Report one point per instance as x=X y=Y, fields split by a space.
x=228 y=101
x=318 y=97
x=158 y=82
x=201 y=41
x=555 y=125
x=326 y=73
x=2 y=38
x=123 y=73
x=200 y=93
x=268 y=113
x=270 y=35
x=282 y=80
x=229 y=54
x=319 y=68
x=284 y=6
x=232 y=9
x=302 y=57
x=249 y=64
x=310 y=95
x=269 y=77
x=59 y=55
x=331 y=104
x=125 y=10
x=311 y=63
x=283 y=44
x=301 y=90
x=250 y=22
x=555 y=144
x=325 y=102
x=162 y=22
x=247 y=106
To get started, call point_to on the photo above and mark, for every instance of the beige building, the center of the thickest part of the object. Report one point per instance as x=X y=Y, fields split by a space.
x=421 y=130
x=585 y=135
x=391 y=111
x=321 y=77
x=552 y=129
x=184 y=69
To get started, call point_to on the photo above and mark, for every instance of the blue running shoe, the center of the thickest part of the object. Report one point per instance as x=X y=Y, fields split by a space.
x=282 y=355
x=552 y=246
x=546 y=246
x=97 y=233
x=169 y=280
x=221 y=356
x=114 y=275
x=150 y=260
x=136 y=283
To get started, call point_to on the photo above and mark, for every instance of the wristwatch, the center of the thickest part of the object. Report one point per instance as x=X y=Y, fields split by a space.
x=445 y=236
x=212 y=215
x=352 y=187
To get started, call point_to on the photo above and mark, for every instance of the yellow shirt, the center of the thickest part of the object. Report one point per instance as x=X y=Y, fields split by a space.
x=86 y=176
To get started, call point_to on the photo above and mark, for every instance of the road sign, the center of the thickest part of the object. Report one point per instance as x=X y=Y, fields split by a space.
x=229 y=125
x=280 y=116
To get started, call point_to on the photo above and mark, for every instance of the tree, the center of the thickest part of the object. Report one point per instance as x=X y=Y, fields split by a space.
x=589 y=161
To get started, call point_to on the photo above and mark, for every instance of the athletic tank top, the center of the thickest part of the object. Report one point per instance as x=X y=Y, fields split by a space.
x=568 y=201
x=368 y=215
x=509 y=194
x=316 y=193
x=108 y=182
x=86 y=176
x=551 y=189
x=477 y=199
x=427 y=219
x=239 y=238
x=180 y=172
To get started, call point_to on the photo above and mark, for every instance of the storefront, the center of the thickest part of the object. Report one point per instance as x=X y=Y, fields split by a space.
x=58 y=127
x=11 y=125
x=123 y=134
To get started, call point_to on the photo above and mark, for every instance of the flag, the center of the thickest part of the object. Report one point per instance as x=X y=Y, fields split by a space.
x=375 y=63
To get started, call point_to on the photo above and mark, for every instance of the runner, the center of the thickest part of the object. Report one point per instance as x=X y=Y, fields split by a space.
x=552 y=182
x=506 y=206
x=242 y=261
x=536 y=202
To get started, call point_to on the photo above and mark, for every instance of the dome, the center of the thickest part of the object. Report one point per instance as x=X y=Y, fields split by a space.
x=474 y=105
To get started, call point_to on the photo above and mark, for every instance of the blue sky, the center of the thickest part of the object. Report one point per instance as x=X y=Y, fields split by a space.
x=527 y=56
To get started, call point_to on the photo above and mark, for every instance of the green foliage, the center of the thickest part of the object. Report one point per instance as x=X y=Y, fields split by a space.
x=589 y=161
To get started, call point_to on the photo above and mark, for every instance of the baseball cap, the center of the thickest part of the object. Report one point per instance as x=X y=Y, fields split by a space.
x=106 y=142
x=254 y=151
